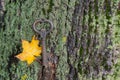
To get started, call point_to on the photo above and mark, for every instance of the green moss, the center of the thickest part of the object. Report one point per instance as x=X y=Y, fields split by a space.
x=17 y=25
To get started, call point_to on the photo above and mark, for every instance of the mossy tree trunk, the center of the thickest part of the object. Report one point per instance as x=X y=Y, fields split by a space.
x=83 y=37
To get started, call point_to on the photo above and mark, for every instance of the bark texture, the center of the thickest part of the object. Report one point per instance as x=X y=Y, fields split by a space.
x=83 y=37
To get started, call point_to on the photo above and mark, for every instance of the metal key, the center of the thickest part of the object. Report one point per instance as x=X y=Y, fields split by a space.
x=43 y=33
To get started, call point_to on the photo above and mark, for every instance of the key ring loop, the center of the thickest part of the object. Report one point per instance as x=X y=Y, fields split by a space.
x=42 y=31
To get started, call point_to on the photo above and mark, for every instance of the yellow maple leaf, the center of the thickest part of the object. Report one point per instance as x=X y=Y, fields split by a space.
x=30 y=50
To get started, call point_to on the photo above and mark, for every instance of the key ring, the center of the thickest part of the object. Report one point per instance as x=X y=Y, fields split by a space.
x=42 y=32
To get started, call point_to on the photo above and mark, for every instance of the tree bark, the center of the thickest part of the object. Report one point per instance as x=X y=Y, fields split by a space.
x=82 y=37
